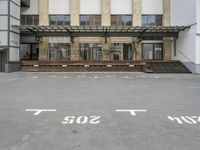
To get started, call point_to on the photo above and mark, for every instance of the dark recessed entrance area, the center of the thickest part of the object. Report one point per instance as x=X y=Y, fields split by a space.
x=29 y=51
x=3 y=57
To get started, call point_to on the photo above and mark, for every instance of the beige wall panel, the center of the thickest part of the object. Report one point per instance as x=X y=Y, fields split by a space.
x=166 y=12
x=137 y=12
x=75 y=11
x=44 y=20
x=138 y=50
x=167 y=48
x=105 y=49
x=121 y=39
x=74 y=49
x=90 y=39
x=44 y=12
x=43 y=49
x=106 y=10
x=167 y=43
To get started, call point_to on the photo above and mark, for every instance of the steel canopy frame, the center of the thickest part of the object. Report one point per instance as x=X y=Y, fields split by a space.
x=100 y=31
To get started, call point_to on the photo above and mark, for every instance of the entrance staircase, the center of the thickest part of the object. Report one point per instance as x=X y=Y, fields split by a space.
x=165 y=67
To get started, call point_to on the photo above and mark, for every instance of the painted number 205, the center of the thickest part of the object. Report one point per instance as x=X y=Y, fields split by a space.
x=81 y=120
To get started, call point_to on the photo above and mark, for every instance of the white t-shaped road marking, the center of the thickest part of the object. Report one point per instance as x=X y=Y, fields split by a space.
x=38 y=111
x=132 y=112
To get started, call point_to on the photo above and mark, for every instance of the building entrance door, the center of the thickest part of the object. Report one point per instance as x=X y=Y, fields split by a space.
x=127 y=52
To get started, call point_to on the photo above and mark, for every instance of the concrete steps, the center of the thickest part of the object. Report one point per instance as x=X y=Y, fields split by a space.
x=165 y=67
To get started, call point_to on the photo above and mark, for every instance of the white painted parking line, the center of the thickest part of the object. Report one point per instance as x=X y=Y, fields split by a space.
x=141 y=76
x=132 y=112
x=156 y=77
x=33 y=77
x=81 y=76
x=52 y=76
x=38 y=111
x=185 y=119
x=94 y=77
x=110 y=76
x=66 y=77
x=127 y=77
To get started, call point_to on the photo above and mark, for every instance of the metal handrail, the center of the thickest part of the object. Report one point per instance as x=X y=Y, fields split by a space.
x=186 y=57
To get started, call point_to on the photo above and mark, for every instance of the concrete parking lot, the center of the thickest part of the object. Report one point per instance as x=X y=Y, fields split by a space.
x=99 y=111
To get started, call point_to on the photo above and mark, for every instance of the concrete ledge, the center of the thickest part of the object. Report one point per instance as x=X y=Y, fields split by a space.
x=12 y=67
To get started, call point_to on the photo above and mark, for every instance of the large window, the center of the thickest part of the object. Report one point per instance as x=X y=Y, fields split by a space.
x=59 y=51
x=121 y=20
x=29 y=51
x=152 y=20
x=90 y=20
x=29 y=19
x=90 y=51
x=121 y=51
x=152 y=51
x=59 y=19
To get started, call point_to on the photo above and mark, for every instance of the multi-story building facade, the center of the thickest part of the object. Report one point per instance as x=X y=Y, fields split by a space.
x=91 y=16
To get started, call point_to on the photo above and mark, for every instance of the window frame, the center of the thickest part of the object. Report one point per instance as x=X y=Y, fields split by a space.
x=153 y=51
x=156 y=23
x=54 y=49
x=121 y=17
x=34 y=20
x=56 y=19
x=88 y=22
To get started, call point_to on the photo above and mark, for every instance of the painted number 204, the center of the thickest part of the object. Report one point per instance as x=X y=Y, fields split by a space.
x=81 y=120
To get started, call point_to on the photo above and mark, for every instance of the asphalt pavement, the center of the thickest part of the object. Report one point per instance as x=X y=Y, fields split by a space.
x=99 y=111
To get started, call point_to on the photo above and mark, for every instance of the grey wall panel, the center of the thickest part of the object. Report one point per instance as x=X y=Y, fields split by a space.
x=4 y=7
x=3 y=22
x=3 y=38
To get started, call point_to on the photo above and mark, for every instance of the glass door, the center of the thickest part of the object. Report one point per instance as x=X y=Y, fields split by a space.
x=127 y=52
x=158 y=52
x=152 y=51
x=147 y=51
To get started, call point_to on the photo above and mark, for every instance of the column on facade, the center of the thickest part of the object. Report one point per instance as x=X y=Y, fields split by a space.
x=105 y=48
x=167 y=42
x=137 y=13
x=105 y=17
x=74 y=48
x=43 y=20
x=74 y=13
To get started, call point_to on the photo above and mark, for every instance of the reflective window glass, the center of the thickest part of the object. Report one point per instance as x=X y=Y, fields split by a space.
x=59 y=20
x=90 y=20
x=59 y=51
x=83 y=20
x=29 y=19
x=90 y=51
x=152 y=20
x=121 y=20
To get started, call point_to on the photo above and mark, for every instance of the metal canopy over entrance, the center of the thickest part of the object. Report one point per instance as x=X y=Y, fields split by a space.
x=100 y=31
